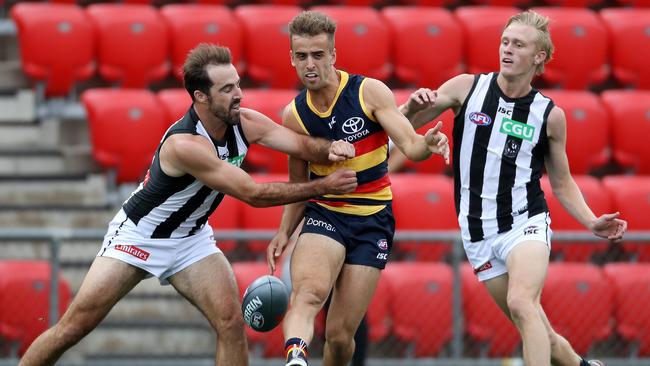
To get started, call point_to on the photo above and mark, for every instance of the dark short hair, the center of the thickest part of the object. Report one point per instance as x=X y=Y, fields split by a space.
x=195 y=76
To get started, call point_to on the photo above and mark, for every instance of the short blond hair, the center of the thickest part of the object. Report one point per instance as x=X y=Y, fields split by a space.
x=312 y=23
x=540 y=23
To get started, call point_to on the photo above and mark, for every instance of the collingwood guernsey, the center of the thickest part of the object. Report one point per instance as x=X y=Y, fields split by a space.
x=178 y=207
x=498 y=154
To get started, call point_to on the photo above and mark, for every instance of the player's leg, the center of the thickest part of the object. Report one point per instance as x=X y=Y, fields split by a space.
x=527 y=264
x=106 y=282
x=209 y=284
x=315 y=265
x=350 y=299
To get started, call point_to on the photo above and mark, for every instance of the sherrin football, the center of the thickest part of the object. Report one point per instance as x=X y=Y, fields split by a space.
x=265 y=303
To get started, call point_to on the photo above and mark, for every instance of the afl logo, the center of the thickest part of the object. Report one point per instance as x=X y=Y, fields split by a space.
x=352 y=125
x=382 y=244
x=479 y=118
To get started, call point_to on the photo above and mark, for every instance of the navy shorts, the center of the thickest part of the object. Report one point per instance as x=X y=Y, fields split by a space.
x=367 y=239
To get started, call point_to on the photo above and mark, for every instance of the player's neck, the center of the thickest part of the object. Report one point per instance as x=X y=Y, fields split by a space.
x=323 y=98
x=515 y=86
x=215 y=127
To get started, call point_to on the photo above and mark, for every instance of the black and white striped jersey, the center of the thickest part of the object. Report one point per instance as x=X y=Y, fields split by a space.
x=177 y=207
x=498 y=154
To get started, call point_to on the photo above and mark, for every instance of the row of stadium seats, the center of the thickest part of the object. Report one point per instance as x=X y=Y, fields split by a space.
x=520 y=3
x=413 y=303
x=132 y=44
x=126 y=125
x=433 y=195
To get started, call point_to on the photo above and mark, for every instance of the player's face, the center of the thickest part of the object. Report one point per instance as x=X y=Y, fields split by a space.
x=225 y=93
x=313 y=58
x=518 y=53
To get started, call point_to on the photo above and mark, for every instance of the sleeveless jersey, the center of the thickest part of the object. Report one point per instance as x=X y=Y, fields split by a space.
x=178 y=207
x=348 y=119
x=498 y=154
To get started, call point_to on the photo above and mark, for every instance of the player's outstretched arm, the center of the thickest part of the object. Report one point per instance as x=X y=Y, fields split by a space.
x=381 y=103
x=607 y=226
x=260 y=129
x=190 y=154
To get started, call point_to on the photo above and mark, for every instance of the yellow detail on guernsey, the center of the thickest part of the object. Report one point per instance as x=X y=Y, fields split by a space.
x=385 y=194
x=363 y=104
x=297 y=115
x=328 y=112
x=354 y=209
x=358 y=163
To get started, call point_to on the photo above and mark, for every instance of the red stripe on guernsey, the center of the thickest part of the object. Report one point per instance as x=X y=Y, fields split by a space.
x=370 y=143
x=374 y=186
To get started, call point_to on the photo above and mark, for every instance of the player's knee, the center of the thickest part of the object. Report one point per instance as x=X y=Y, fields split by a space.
x=229 y=322
x=338 y=338
x=521 y=308
x=311 y=296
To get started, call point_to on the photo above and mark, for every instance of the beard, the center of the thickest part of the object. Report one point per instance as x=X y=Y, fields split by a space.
x=228 y=116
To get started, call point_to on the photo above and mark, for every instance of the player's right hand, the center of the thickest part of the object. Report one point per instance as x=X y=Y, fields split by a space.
x=341 y=150
x=275 y=249
x=340 y=182
x=421 y=99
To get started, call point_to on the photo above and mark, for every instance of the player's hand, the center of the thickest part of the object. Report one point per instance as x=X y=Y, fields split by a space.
x=340 y=182
x=341 y=150
x=421 y=99
x=275 y=249
x=437 y=141
x=609 y=226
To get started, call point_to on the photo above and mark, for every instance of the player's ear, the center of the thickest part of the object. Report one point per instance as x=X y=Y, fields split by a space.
x=333 y=56
x=291 y=57
x=200 y=97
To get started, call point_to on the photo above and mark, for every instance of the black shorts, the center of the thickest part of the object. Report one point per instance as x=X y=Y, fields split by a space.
x=367 y=239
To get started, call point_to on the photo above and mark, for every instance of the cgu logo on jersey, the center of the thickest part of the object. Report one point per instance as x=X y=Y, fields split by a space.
x=480 y=118
x=236 y=161
x=517 y=129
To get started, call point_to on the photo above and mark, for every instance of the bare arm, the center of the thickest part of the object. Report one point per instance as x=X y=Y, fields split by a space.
x=425 y=104
x=380 y=101
x=194 y=155
x=565 y=188
x=292 y=213
x=262 y=130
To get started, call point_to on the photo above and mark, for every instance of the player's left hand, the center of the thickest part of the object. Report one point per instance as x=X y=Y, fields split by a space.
x=437 y=141
x=421 y=99
x=341 y=150
x=609 y=226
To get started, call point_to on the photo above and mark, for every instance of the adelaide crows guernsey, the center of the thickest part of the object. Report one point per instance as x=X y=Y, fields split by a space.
x=499 y=149
x=178 y=207
x=348 y=119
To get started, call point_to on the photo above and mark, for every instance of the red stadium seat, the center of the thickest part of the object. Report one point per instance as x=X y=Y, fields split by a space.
x=415 y=29
x=125 y=126
x=482 y=30
x=270 y=102
x=175 y=103
x=600 y=202
x=484 y=320
x=630 y=44
x=191 y=24
x=587 y=128
x=269 y=344
x=517 y=3
x=362 y=40
x=424 y=202
x=631 y=196
x=574 y=3
x=132 y=43
x=580 y=41
x=227 y=217
x=630 y=118
x=570 y=288
x=267 y=218
x=631 y=284
x=266 y=25
x=424 y=289
x=40 y=26
x=635 y=3
x=435 y=164
x=378 y=316
x=24 y=300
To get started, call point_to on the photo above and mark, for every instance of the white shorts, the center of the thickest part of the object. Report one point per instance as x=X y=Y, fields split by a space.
x=488 y=256
x=159 y=257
